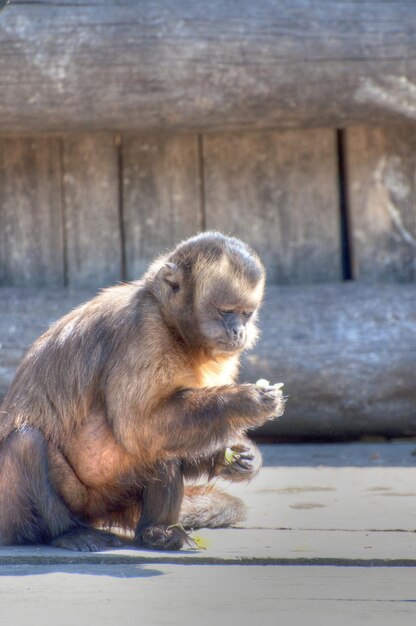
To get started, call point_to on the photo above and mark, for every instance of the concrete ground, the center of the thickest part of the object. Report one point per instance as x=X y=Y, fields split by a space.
x=329 y=539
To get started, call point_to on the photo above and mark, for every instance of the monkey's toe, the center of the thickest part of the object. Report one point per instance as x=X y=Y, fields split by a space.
x=86 y=540
x=162 y=537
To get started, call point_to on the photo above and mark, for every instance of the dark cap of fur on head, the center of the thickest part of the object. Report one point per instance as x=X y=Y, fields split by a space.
x=209 y=247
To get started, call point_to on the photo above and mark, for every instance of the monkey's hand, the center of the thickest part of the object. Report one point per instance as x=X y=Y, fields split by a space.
x=241 y=462
x=261 y=403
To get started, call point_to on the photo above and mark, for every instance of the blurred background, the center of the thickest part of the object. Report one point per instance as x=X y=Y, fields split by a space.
x=126 y=127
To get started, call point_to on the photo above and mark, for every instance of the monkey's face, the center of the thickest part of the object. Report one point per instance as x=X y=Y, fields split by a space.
x=210 y=291
x=227 y=316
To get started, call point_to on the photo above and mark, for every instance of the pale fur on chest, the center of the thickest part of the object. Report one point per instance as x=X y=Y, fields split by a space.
x=217 y=372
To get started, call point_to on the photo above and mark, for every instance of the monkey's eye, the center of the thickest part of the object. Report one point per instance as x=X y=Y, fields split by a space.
x=247 y=314
x=225 y=311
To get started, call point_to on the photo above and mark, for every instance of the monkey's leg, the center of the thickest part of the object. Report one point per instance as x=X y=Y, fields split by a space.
x=31 y=511
x=162 y=499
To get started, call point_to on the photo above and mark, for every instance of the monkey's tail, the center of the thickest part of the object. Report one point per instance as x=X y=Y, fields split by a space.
x=205 y=506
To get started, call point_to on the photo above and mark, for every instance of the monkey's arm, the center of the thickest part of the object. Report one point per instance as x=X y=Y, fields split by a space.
x=195 y=422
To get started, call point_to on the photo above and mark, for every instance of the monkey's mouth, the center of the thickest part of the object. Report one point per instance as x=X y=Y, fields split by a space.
x=230 y=345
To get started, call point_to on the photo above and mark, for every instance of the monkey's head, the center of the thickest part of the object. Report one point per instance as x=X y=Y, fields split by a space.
x=209 y=290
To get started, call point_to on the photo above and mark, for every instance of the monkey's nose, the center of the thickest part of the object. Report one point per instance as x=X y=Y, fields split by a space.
x=237 y=334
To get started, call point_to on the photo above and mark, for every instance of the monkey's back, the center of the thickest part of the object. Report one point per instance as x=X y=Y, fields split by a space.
x=58 y=380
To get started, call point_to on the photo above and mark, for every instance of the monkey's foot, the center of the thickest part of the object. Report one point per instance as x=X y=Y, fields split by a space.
x=85 y=539
x=163 y=537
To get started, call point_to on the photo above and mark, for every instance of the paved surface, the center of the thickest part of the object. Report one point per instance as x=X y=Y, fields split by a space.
x=329 y=539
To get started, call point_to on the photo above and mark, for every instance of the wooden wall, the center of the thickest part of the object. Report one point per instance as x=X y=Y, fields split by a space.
x=88 y=210
x=78 y=212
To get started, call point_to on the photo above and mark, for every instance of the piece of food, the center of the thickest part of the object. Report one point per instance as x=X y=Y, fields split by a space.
x=200 y=542
x=265 y=384
x=231 y=456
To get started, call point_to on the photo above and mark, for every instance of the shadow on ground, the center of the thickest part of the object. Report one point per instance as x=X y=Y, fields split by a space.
x=93 y=569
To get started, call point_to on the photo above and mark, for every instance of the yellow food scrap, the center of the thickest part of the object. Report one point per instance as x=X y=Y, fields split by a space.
x=231 y=456
x=200 y=542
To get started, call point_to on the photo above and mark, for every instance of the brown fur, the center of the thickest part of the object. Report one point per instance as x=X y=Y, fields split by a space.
x=128 y=394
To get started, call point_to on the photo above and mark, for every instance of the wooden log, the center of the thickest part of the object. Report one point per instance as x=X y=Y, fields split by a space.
x=347 y=355
x=31 y=241
x=189 y=64
x=381 y=166
x=277 y=191
x=346 y=352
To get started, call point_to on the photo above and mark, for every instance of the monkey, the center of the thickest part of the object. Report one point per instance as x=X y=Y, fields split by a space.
x=122 y=404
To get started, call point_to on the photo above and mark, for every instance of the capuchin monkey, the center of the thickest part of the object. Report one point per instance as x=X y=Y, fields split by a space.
x=129 y=395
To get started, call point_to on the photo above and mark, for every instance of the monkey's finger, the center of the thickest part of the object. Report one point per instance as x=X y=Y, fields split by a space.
x=246 y=457
x=178 y=529
x=243 y=467
x=244 y=464
x=273 y=394
x=190 y=542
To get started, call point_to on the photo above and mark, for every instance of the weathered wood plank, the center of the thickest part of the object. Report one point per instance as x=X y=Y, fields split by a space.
x=346 y=352
x=278 y=191
x=186 y=64
x=359 y=499
x=91 y=207
x=31 y=248
x=382 y=194
x=77 y=588
x=161 y=196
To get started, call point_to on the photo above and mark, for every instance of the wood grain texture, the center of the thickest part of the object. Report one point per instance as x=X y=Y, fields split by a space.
x=189 y=64
x=161 y=196
x=91 y=207
x=31 y=246
x=381 y=166
x=278 y=191
x=346 y=352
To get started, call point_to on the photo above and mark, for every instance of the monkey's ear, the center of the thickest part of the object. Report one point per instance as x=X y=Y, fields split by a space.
x=172 y=275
